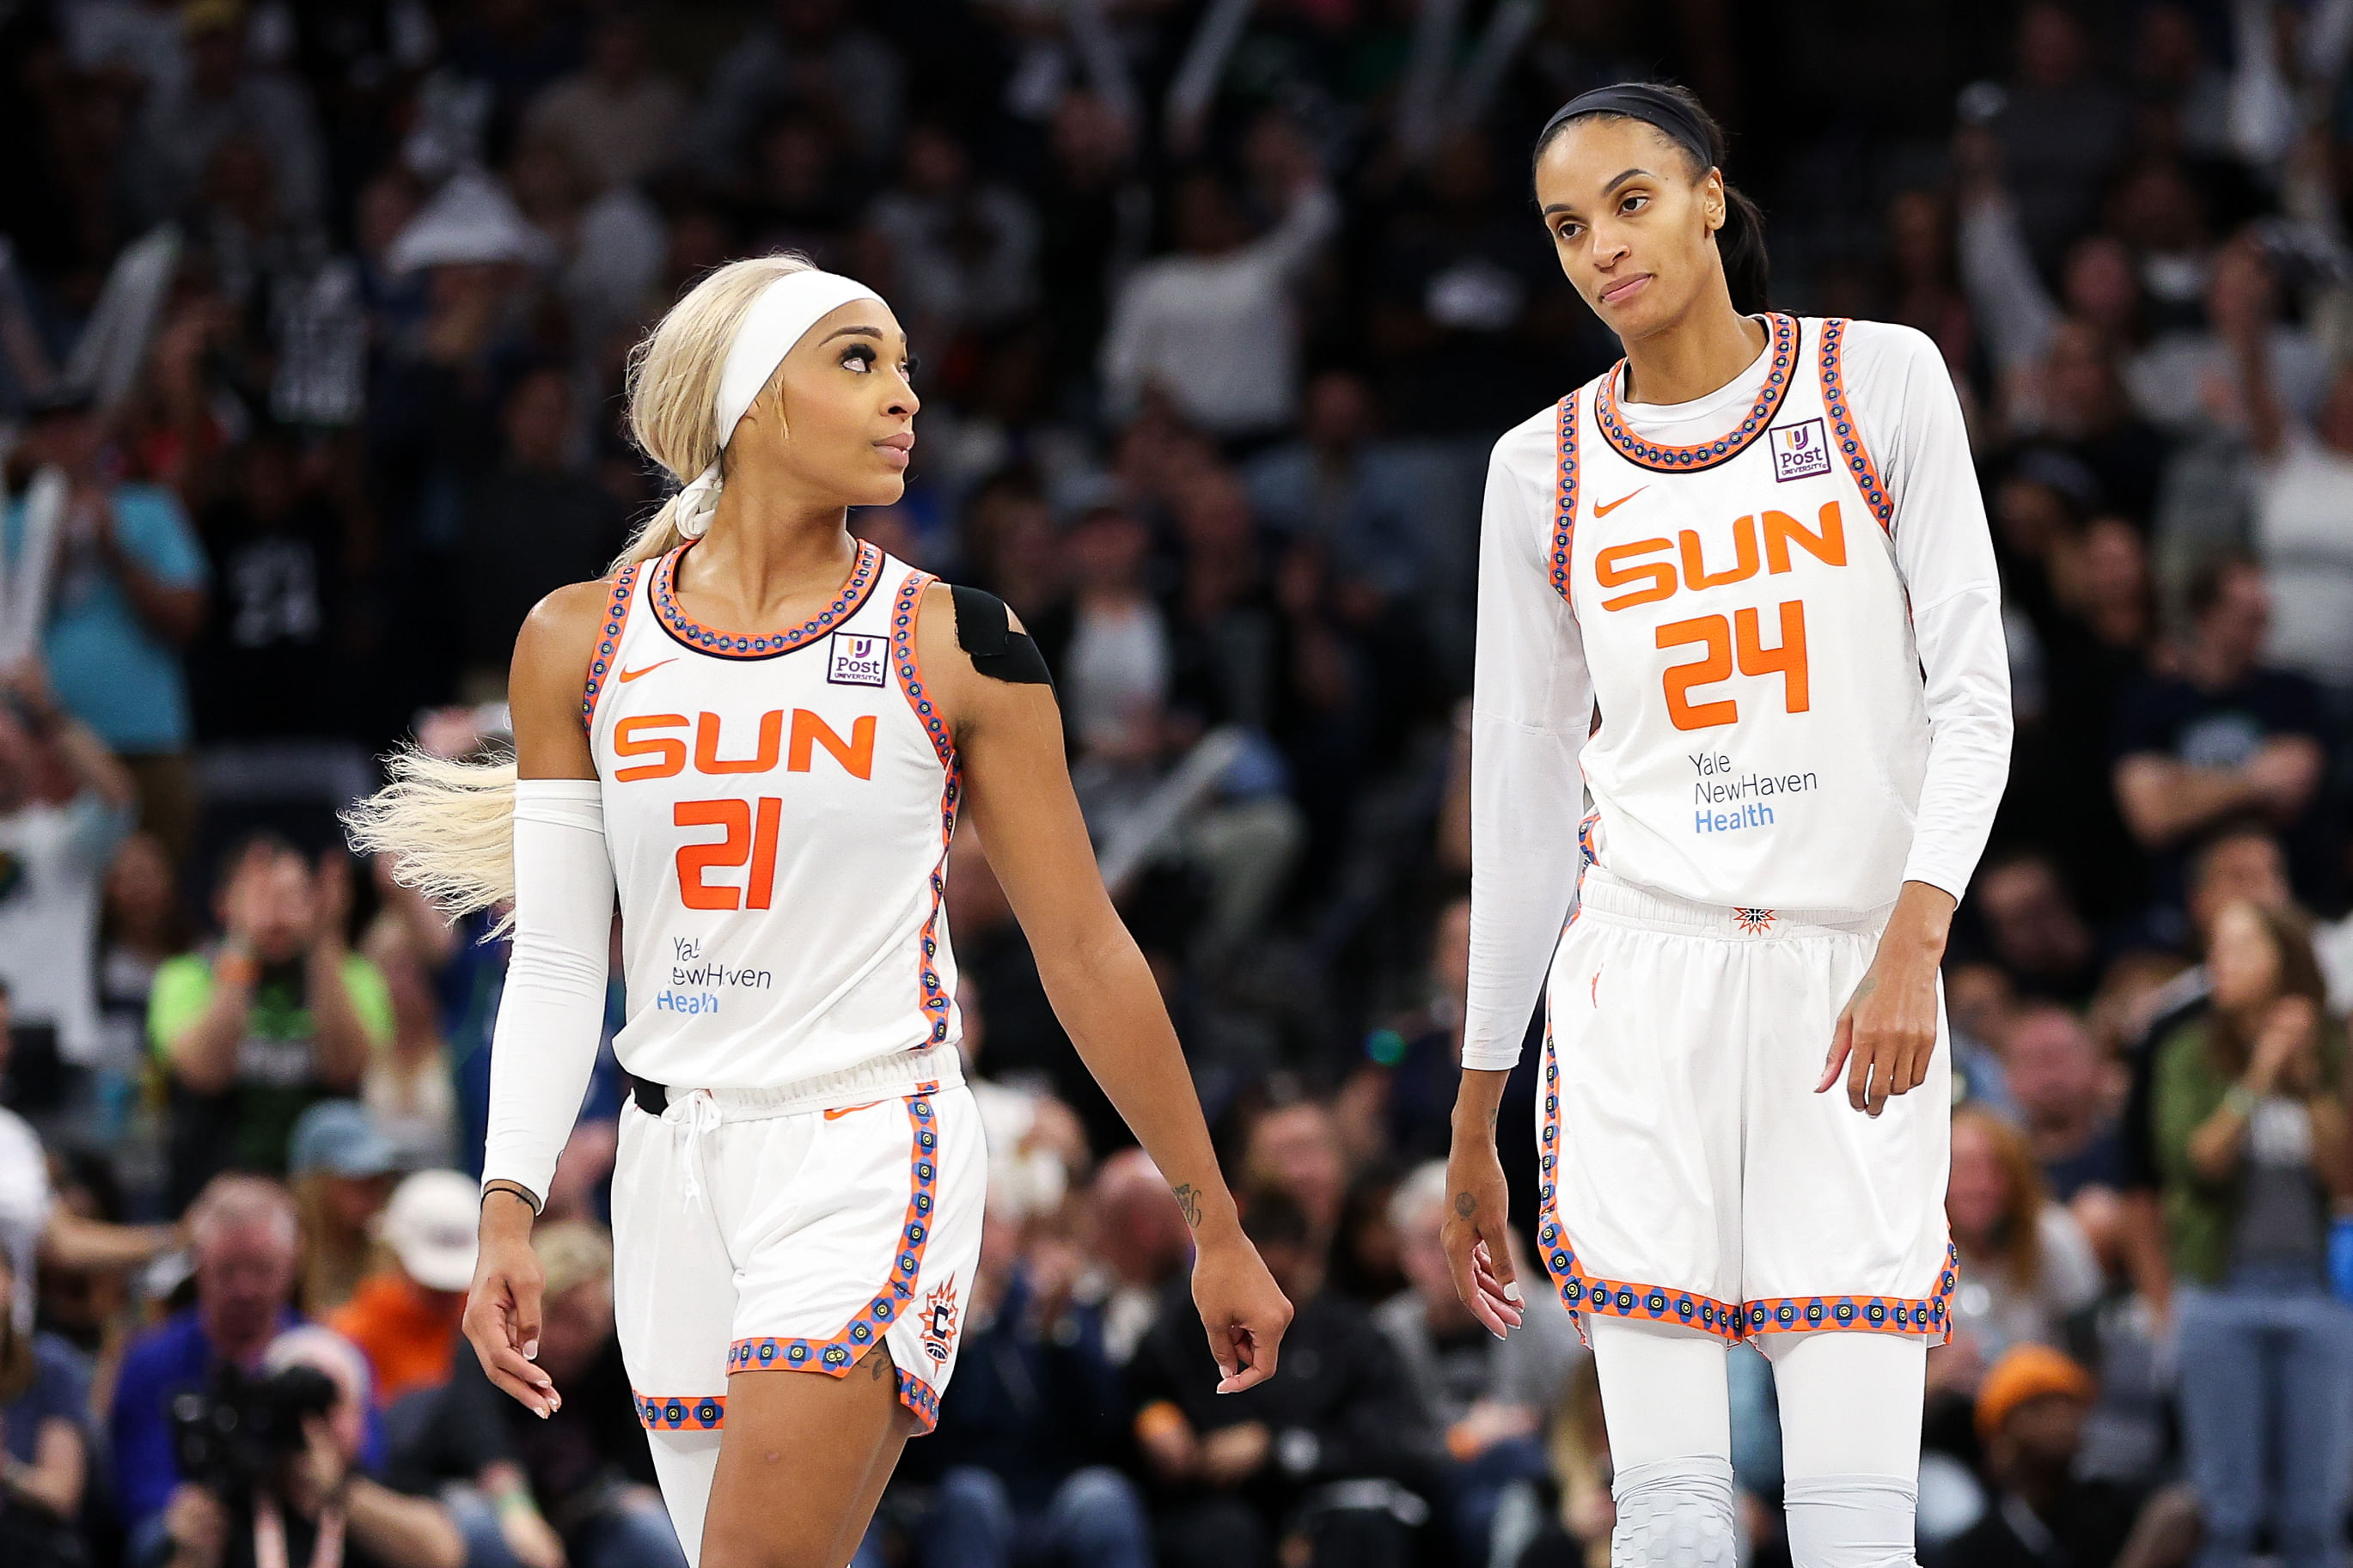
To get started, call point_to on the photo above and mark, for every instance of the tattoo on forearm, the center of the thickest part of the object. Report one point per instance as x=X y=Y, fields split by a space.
x=1189 y=1203
x=1465 y=1205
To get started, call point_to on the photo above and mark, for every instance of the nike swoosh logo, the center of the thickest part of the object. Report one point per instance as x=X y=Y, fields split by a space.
x=1600 y=509
x=850 y=1110
x=649 y=669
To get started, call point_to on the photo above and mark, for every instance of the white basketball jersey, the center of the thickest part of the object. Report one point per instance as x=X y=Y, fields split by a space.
x=778 y=807
x=1763 y=733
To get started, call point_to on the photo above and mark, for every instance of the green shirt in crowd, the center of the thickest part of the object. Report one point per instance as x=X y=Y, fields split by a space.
x=2271 y=1209
x=247 y=1128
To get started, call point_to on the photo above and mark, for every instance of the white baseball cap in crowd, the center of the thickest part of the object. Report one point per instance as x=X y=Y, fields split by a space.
x=429 y=1224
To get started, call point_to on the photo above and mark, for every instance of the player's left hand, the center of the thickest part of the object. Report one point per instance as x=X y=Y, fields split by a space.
x=1244 y=1311
x=1886 y=1033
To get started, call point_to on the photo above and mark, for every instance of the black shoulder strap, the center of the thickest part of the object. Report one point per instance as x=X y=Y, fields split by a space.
x=998 y=650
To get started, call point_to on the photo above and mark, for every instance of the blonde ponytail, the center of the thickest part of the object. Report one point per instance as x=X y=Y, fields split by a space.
x=447 y=827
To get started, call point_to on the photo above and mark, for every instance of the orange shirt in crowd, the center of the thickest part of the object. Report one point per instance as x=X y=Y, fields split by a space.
x=409 y=1333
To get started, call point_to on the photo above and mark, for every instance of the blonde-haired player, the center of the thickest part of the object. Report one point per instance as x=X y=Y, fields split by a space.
x=1740 y=589
x=760 y=733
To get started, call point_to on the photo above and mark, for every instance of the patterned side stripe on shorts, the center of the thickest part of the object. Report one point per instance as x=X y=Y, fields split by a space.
x=836 y=1355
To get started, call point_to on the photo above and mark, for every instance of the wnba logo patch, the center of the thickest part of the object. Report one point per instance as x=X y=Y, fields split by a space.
x=1801 y=451
x=857 y=660
x=939 y=1320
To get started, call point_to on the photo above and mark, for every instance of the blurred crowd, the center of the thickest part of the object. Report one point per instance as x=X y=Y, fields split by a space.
x=313 y=326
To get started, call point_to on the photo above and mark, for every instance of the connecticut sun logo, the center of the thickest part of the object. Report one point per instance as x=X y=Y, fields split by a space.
x=940 y=1319
x=1755 y=922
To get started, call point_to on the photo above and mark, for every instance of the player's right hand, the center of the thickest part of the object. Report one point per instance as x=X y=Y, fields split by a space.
x=503 y=1305
x=1477 y=1237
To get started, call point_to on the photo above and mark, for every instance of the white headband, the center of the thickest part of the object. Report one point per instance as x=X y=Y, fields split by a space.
x=781 y=316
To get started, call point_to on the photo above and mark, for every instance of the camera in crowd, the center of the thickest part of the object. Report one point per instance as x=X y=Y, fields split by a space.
x=233 y=1437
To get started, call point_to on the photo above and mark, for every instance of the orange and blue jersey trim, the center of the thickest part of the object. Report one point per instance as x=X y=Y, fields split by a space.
x=933 y=996
x=1564 y=508
x=700 y=638
x=1582 y=1291
x=1663 y=458
x=1845 y=434
x=609 y=638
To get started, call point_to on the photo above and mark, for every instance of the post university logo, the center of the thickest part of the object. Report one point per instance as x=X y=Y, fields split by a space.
x=1801 y=451
x=855 y=660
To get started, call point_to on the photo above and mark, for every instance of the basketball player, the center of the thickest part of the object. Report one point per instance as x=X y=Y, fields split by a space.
x=760 y=733
x=1740 y=589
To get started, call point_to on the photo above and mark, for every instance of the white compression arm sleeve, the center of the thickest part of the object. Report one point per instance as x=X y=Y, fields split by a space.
x=551 y=1014
x=1531 y=706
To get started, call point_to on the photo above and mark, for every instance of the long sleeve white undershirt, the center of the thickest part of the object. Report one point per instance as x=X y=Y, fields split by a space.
x=1532 y=702
x=552 y=1013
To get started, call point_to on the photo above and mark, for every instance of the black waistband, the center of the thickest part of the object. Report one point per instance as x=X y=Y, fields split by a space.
x=651 y=1098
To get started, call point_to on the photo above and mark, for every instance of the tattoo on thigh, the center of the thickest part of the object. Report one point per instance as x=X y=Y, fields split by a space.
x=878 y=1363
x=1189 y=1201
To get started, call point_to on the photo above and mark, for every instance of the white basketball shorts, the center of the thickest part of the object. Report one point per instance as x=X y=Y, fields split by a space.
x=1690 y=1173
x=796 y=1229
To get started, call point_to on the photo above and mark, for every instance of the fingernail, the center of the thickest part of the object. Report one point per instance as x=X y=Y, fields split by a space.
x=1511 y=1293
x=531 y=1350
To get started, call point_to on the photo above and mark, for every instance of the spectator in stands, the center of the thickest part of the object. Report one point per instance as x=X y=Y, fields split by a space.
x=2062 y=129
x=2303 y=517
x=2030 y=1416
x=586 y=1464
x=1248 y=1479
x=322 y=1495
x=531 y=525
x=126 y=595
x=341 y=1167
x=1295 y=1149
x=409 y=1087
x=140 y=926
x=37 y=1225
x=1211 y=328
x=963 y=247
x=1340 y=486
x=277 y=1014
x=2224 y=735
x=404 y=1318
x=619 y=121
x=1402 y=1100
x=2033 y=929
x=247 y=1245
x=1140 y=1244
x=805 y=50
x=2066 y=1097
x=2251 y=1137
x=1489 y=1397
x=65 y=804
x=2028 y=1263
x=222 y=93
x=1115 y=671
x=44 y=1459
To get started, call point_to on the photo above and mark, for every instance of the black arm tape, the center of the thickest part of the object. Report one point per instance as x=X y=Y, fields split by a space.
x=998 y=650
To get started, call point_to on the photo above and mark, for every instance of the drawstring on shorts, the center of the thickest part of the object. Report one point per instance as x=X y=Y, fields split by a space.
x=699 y=1112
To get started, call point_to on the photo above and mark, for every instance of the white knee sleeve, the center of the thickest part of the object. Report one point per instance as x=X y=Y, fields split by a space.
x=1850 y=1402
x=1850 y=1521
x=1674 y=1513
x=1663 y=1393
x=685 y=1464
